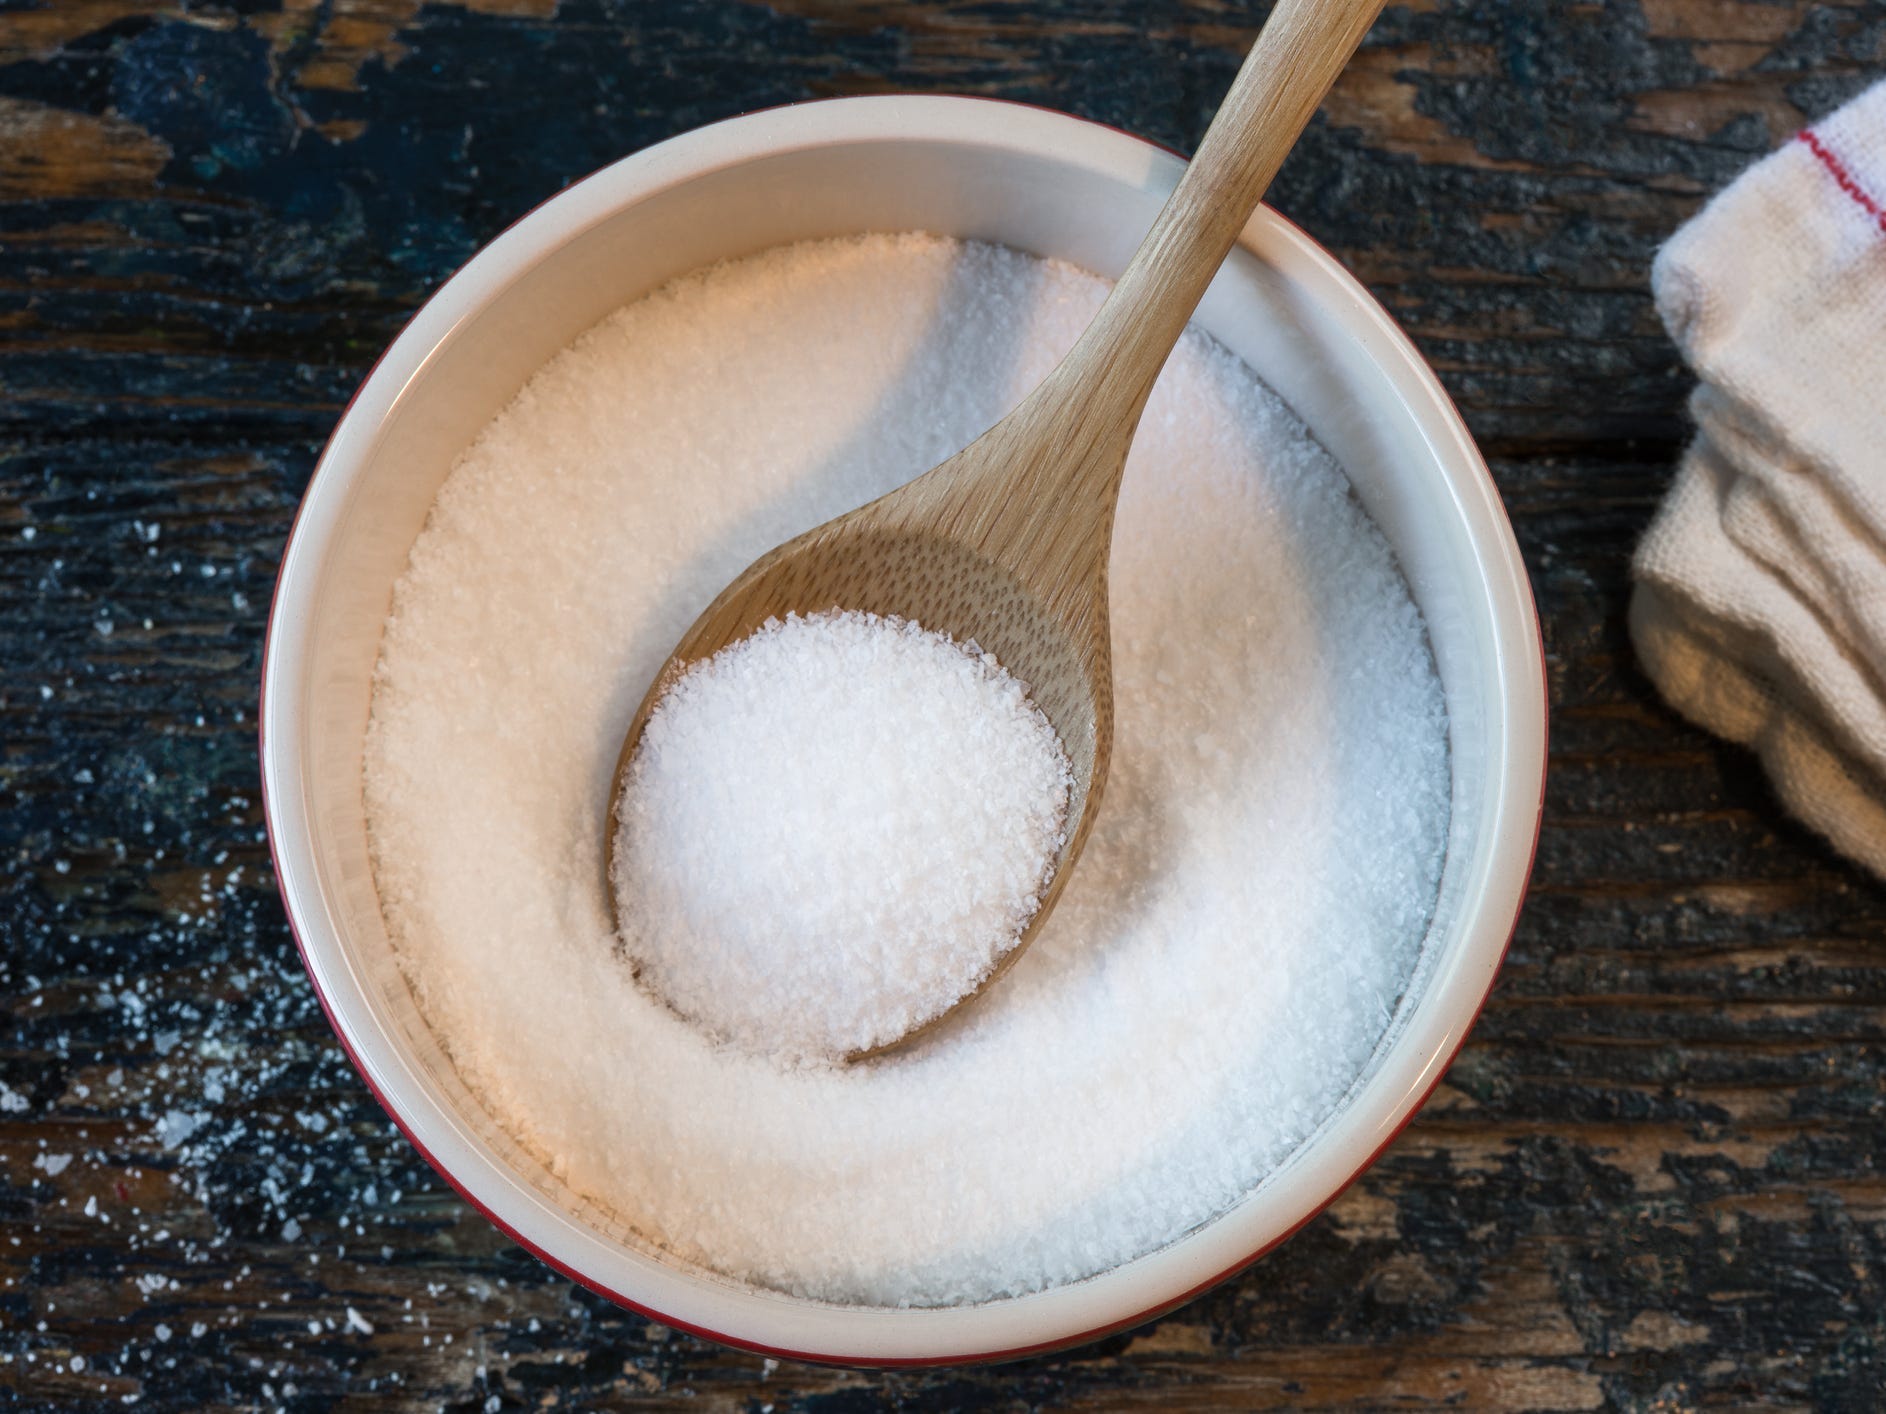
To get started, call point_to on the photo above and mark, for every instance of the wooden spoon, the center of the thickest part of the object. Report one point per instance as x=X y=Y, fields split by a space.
x=1007 y=542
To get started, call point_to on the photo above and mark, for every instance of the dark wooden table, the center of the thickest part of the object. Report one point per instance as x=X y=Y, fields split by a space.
x=1656 y=1177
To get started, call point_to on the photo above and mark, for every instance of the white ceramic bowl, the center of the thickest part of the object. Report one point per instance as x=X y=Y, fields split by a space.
x=1035 y=180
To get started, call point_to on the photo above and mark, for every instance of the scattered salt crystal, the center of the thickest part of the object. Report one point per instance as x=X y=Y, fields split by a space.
x=832 y=830
x=1247 y=912
x=177 y=1126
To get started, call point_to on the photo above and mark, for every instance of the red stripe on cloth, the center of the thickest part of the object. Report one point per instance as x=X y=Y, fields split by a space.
x=1842 y=177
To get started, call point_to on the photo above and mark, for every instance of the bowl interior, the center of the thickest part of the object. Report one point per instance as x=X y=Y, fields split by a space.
x=1029 y=179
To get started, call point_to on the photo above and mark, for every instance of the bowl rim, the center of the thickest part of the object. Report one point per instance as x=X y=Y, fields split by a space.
x=968 y=122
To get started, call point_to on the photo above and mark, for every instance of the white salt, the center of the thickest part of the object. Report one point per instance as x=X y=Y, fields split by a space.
x=832 y=830
x=1233 y=942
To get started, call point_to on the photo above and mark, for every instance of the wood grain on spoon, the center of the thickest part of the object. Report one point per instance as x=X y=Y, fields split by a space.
x=1007 y=542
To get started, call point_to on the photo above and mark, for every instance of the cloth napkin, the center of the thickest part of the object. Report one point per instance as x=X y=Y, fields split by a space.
x=1760 y=607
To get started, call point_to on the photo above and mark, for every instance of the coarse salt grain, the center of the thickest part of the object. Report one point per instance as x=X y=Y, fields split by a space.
x=832 y=830
x=1233 y=942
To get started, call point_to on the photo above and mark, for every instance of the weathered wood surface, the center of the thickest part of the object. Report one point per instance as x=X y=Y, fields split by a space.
x=1656 y=1178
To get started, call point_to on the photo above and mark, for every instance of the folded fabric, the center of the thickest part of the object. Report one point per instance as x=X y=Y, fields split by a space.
x=1760 y=608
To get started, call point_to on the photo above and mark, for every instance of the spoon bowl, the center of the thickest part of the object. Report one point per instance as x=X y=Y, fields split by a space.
x=940 y=552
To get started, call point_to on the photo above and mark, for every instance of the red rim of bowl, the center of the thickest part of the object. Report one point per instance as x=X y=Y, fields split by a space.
x=1059 y=1343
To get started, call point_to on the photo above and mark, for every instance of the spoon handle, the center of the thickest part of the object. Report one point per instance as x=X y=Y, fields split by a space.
x=1296 y=58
